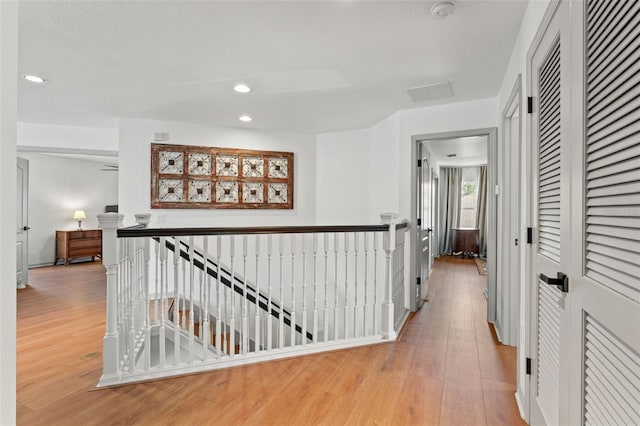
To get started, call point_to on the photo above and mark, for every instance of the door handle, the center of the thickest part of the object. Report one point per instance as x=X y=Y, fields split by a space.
x=26 y=228
x=429 y=230
x=562 y=281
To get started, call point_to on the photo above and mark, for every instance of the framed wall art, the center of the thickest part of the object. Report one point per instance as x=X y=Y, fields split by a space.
x=197 y=177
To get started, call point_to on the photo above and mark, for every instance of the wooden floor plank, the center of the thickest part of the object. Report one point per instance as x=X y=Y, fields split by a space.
x=446 y=368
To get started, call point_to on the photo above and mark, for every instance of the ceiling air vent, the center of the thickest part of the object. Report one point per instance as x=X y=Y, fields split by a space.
x=430 y=91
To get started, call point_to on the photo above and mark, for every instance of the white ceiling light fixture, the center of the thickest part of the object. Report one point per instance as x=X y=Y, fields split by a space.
x=245 y=118
x=242 y=88
x=442 y=9
x=34 y=79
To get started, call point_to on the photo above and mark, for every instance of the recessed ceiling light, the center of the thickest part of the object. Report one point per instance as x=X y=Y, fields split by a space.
x=245 y=118
x=34 y=78
x=242 y=88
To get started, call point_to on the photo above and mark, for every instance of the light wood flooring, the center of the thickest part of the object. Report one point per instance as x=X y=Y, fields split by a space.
x=446 y=368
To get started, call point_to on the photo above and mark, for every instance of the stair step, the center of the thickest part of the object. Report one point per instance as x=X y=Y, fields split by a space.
x=225 y=340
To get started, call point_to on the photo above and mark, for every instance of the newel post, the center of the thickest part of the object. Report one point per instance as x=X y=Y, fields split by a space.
x=389 y=244
x=109 y=223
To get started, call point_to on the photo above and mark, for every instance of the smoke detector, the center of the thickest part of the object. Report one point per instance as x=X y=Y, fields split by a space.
x=442 y=9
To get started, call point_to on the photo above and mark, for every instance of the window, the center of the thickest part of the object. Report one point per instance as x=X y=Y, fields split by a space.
x=468 y=197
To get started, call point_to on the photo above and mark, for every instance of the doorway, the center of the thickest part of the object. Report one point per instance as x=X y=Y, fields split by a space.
x=420 y=150
x=510 y=235
x=424 y=225
x=22 y=228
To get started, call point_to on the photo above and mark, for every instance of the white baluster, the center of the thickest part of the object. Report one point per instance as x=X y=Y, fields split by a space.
x=225 y=322
x=147 y=303
x=281 y=301
x=218 y=297
x=176 y=300
x=122 y=285
x=269 y=305
x=355 y=284
x=245 y=322
x=365 y=309
x=157 y=284
x=191 y=292
x=325 y=326
x=232 y=322
x=375 y=284
x=163 y=299
x=200 y=302
x=204 y=326
x=184 y=324
x=336 y=321
x=130 y=305
x=315 y=291
x=346 y=285
x=304 y=292
x=292 y=321
x=256 y=337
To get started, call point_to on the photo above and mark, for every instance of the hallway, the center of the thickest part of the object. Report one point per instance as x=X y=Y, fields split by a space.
x=446 y=368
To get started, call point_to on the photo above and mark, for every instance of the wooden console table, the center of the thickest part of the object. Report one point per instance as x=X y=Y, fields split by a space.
x=465 y=240
x=75 y=244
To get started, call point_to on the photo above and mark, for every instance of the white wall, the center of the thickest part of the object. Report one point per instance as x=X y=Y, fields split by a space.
x=136 y=136
x=518 y=65
x=478 y=114
x=8 y=118
x=57 y=187
x=342 y=190
x=389 y=151
x=383 y=168
x=67 y=137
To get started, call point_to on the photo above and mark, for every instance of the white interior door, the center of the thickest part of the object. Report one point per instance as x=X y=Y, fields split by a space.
x=435 y=236
x=550 y=252
x=424 y=226
x=605 y=279
x=22 y=225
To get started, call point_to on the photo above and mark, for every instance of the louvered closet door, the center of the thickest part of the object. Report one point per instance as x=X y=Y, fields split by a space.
x=605 y=294
x=550 y=158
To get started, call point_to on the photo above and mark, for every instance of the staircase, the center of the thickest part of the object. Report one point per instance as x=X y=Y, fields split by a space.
x=232 y=282
x=185 y=300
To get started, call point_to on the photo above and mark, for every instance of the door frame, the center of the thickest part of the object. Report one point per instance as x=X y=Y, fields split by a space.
x=492 y=161
x=425 y=169
x=509 y=275
x=515 y=330
x=435 y=217
x=22 y=256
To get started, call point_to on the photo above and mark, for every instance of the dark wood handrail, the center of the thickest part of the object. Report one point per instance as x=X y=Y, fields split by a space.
x=135 y=231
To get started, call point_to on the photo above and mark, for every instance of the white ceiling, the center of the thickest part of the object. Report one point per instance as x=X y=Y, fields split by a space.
x=470 y=151
x=314 y=66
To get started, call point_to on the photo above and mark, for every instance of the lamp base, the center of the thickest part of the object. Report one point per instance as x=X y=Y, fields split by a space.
x=79 y=225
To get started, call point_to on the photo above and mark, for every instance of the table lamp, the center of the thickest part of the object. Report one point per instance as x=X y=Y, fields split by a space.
x=79 y=215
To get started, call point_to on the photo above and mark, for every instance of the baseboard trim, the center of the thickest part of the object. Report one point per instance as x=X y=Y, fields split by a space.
x=520 y=404
x=40 y=265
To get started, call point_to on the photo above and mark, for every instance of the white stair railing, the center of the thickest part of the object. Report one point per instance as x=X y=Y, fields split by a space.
x=186 y=300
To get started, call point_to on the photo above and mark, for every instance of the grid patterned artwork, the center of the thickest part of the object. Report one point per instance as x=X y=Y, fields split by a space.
x=195 y=177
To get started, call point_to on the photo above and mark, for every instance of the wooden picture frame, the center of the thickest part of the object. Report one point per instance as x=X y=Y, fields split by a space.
x=199 y=177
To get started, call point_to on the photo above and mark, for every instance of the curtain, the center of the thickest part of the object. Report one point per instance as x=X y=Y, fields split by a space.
x=481 y=210
x=450 y=183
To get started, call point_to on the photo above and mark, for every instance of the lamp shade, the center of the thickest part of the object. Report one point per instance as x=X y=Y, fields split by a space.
x=79 y=215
